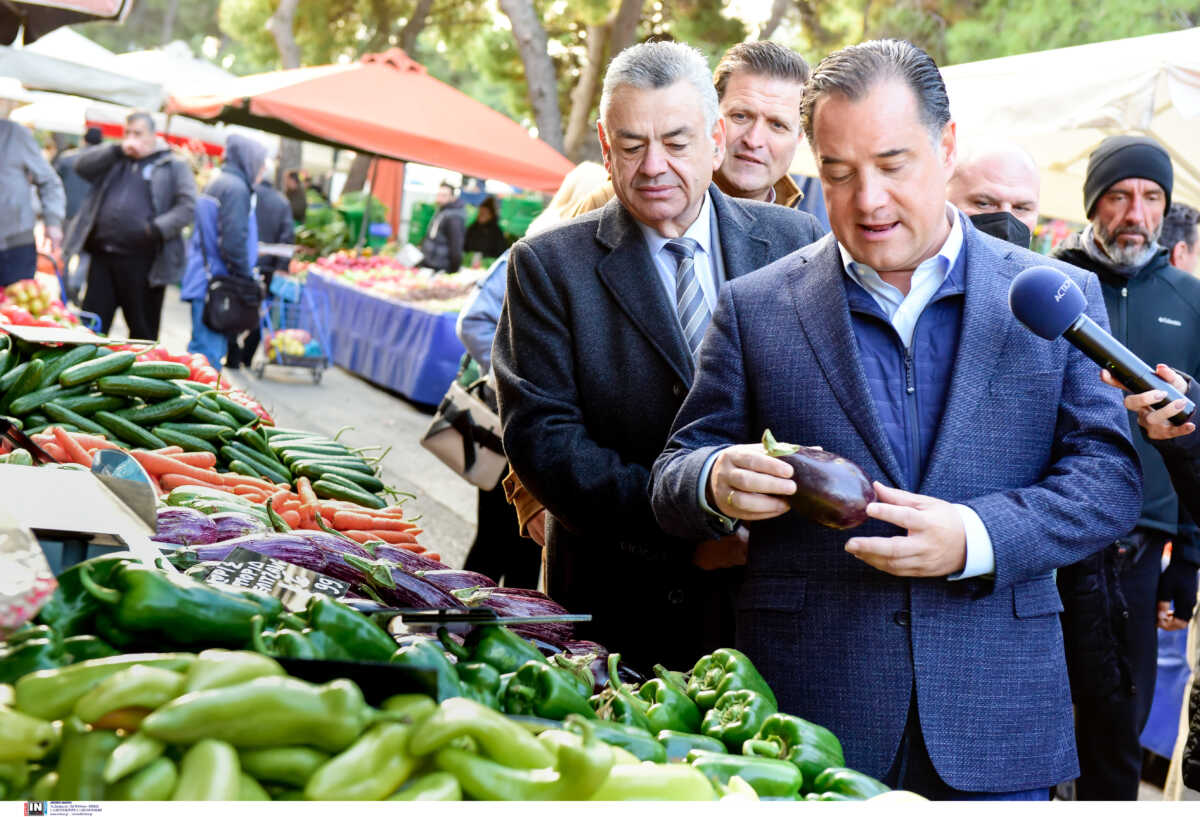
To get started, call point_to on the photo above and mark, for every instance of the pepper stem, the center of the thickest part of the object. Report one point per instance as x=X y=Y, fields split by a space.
x=101 y=593
x=453 y=647
x=775 y=448
x=375 y=571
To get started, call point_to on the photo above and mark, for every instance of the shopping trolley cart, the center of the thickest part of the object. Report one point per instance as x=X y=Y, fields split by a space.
x=89 y=319
x=294 y=332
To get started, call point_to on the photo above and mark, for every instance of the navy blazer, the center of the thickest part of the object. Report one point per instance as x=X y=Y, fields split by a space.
x=591 y=367
x=1030 y=439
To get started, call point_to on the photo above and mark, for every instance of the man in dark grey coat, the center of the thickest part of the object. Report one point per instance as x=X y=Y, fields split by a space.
x=595 y=351
x=132 y=223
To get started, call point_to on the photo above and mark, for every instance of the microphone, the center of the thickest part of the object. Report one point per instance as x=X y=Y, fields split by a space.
x=1050 y=304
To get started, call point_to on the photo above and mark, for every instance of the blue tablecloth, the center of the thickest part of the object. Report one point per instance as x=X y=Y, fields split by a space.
x=397 y=346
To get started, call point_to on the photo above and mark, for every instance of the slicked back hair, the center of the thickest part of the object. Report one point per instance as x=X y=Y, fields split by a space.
x=761 y=58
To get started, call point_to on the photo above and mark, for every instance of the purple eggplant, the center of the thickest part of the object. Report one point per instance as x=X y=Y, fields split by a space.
x=513 y=601
x=184 y=526
x=332 y=544
x=231 y=525
x=399 y=588
x=830 y=489
x=406 y=558
x=450 y=580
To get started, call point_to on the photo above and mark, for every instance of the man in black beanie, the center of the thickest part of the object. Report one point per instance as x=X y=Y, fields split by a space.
x=1110 y=610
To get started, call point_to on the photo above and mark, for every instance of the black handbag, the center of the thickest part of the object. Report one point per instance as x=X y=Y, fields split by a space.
x=231 y=304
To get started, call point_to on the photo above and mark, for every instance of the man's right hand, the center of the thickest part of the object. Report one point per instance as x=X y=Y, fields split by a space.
x=1157 y=422
x=745 y=483
x=536 y=528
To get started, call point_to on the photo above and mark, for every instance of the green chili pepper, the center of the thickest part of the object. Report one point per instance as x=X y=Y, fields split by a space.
x=410 y=708
x=30 y=656
x=438 y=677
x=136 y=686
x=290 y=765
x=222 y=668
x=371 y=769
x=496 y=735
x=86 y=647
x=135 y=753
x=8 y=695
x=23 y=737
x=542 y=690
x=209 y=770
x=637 y=741
x=647 y=781
x=70 y=609
x=27 y=632
x=177 y=608
x=435 y=786
x=250 y=789
x=43 y=789
x=14 y=777
x=480 y=682
x=678 y=744
x=51 y=694
x=725 y=670
x=768 y=777
x=669 y=708
x=81 y=764
x=848 y=783
x=273 y=711
x=737 y=716
x=495 y=645
x=810 y=747
x=362 y=638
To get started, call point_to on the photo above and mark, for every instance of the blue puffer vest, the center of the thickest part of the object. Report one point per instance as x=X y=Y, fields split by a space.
x=909 y=387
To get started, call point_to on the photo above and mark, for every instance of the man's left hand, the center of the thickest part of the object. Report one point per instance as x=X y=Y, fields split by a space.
x=936 y=544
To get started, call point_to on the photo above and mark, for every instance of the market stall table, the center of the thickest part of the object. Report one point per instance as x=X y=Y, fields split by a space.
x=399 y=346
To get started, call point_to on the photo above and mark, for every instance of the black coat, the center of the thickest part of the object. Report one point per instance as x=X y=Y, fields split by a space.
x=591 y=368
x=273 y=215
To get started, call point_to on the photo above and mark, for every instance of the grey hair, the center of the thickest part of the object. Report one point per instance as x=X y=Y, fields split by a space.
x=143 y=117
x=650 y=66
x=854 y=70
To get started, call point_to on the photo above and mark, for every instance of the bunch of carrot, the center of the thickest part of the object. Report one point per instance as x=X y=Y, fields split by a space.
x=172 y=467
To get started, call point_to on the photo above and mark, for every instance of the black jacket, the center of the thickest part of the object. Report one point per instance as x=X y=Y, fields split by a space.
x=1156 y=313
x=487 y=239
x=591 y=368
x=443 y=244
x=231 y=188
x=273 y=214
x=1182 y=457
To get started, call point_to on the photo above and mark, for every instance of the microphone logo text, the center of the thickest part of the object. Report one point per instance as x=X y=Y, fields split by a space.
x=1062 y=290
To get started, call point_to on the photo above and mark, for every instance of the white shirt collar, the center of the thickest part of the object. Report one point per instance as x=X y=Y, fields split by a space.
x=948 y=253
x=700 y=231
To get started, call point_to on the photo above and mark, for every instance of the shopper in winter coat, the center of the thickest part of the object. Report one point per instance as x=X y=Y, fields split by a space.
x=132 y=223
x=484 y=236
x=236 y=240
x=77 y=188
x=443 y=244
x=1111 y=598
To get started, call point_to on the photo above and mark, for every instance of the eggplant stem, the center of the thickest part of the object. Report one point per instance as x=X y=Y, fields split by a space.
x=775 y=448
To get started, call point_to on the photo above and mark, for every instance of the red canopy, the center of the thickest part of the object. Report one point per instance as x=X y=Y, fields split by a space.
x=40 y=17
x=388 y=105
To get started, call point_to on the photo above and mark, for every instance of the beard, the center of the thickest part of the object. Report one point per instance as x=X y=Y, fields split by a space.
x=1128 y=255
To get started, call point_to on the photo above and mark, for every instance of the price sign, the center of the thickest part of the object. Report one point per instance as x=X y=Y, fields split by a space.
x=291 y=584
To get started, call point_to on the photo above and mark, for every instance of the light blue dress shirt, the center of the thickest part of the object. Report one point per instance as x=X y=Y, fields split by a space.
x=666 y=264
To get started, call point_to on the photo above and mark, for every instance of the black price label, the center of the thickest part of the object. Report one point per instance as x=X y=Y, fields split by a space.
x=291 y=584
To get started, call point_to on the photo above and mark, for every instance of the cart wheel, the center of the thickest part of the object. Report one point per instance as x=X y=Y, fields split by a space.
x=259 y=370
x=316 y=375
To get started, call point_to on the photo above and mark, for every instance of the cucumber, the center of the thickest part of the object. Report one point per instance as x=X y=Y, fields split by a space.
x=333 y=490
x=238 y=451
x=253 y=439
x=127 y=431
x=25 y=382
x=155 y=413
x=185 y=441
x=146 y=388
x=232 y=455
x=351 y=463
x=28 y=402
x=35 y=419
x=205 y=415
x=199 y=388
x=314 y=471
x=160 y=370
x=56 y=411
x=103 y=366
x=16 y=421
x=12 y=375
x=204 y=431
x=240 y=467
x=91 y=403
x=54 y=368
x=8 y=359
x=242 y=414
x=319 y=450
x=340 y=480
x=276 y=431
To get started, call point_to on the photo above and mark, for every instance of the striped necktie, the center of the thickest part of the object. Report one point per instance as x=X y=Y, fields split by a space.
x=689 y=297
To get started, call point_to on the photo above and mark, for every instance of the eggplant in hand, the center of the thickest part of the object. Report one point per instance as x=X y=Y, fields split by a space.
x=830 y=489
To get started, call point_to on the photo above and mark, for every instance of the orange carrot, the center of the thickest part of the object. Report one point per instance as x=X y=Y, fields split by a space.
x=159 y=464
x=170 y=449
x=55 y=450
x=72 y=448
x=91 y=441
x=410 y=547
x=392 y=537
x=170 y=481
x=308 y=498
x=200 y=459
x=351 y=520
x=291 y=517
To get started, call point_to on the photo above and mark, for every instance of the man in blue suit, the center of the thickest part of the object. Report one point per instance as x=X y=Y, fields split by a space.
x=928 y=640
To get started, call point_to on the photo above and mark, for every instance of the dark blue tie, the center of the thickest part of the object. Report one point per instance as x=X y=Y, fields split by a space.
x=689 y=297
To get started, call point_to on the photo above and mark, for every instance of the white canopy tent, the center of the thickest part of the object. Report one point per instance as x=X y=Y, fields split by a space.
x=174 y=65
x=1060 y=104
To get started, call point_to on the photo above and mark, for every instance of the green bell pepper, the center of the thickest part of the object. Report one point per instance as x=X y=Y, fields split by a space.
x=70 y=609
x=361 y=638
x=289 y=765
x=812 y=748
x=669 y=707
x=30 y=656
x=209 y=770
x=86 y=647
x=636 y=741
x=848 y=783
x=439 y=678
x=495 y=645
x=622 y=706
x=435 y=786
x=737 y=716
x=542 y=690
x=725 y=670
x=480 y=682
x=768 y=777
x=678 y=744
x=497 y=736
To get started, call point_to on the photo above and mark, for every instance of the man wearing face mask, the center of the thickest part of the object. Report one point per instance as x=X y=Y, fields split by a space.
x=998 y=186
x=1111 y=598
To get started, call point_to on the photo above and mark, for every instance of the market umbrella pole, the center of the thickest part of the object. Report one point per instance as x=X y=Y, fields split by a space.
x=362 y=230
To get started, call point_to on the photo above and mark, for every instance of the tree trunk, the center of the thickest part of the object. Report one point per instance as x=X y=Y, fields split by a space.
x=356 y=179
x=811 y=18
x=540 y=76
x=584 y=95
x=169 y=20
x=866 y=20
x=779 y=10
x=414 y=27
x=280 y=25
x=623 y=26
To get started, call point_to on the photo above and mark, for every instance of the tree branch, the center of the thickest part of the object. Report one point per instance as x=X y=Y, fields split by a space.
x=779 y=10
